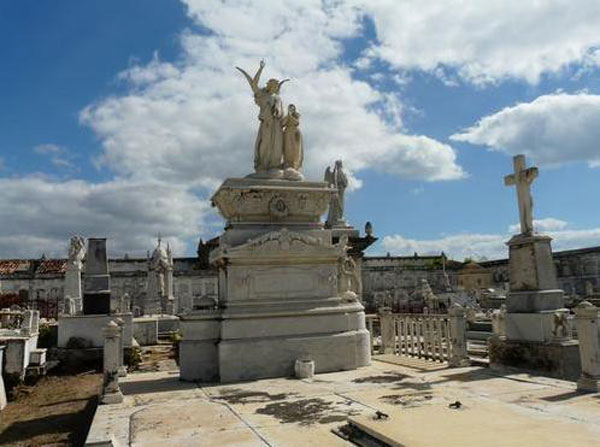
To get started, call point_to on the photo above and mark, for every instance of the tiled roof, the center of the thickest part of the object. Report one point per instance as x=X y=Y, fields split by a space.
x=10 y=266
x=52 y=266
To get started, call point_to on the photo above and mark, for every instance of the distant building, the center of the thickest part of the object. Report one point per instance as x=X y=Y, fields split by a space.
x=386 y=280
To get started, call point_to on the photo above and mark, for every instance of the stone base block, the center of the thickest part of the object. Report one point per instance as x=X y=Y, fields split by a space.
x=37 y=357
x=535 y=327
x=145 y=330
x=530 y=265
x=198 y=349
x=251 y=359
x=85 y=331
x=199 y=360
x=96 y=303
x=534 y=301
x=112 y=398
x=589 y=384
x=556 y=359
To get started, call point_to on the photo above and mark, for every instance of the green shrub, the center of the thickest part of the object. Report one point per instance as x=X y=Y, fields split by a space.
x=133 y=357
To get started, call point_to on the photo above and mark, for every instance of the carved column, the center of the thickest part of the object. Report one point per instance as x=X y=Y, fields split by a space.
x=112 y=393
x=122 y=368
x=588 y=332
x=499 y=322
x=458 y=336
x=35 y=322
x=388 y=333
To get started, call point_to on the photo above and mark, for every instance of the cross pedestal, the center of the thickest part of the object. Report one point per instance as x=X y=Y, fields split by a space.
x=534 y=304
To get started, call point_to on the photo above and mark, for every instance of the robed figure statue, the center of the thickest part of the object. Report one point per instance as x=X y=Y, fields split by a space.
x=337 y=179
x=293 y=149
x=268 y=149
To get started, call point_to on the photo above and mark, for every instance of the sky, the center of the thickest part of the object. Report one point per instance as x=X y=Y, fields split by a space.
x=120 y=118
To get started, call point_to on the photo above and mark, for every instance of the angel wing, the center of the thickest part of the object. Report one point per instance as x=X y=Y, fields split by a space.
x=253 y=81
x=280 y=84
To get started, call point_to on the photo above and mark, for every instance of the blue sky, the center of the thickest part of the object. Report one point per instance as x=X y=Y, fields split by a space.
x=120 y=118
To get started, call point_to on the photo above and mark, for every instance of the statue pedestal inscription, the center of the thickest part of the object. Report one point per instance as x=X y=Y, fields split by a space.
x=281 y=297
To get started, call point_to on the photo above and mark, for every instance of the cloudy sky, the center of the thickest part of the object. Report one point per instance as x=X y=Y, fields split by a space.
x=121 y=117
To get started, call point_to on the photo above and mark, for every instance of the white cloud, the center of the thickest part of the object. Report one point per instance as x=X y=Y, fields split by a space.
x=553 y=129
x=486 y=41
x=491 y=246
x=542 y=225
x=459 y=246
x=59 y=156
x=48 y=149
x=185 y=122
x=39 y=215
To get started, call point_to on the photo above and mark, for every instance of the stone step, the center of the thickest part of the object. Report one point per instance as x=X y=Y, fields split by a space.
x=478 y=335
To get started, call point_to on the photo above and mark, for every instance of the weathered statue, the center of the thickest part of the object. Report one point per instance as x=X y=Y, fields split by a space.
x=159 y=294
x=268 y=149
x=350 y=281
x=72 y=287
x=522 y=178
x=293 y=151
x=561 y=327
x=76 y=251
x=337 y=179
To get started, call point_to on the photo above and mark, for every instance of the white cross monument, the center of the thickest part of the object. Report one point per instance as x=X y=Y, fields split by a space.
x=523 y=178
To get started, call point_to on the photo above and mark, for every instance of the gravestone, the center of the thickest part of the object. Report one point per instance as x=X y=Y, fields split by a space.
x=533 y=334
x=96 y=285
x=72 y=291
x=283 y=293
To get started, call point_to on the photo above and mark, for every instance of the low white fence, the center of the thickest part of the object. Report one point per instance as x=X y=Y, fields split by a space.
x=423 y=336
x=438 y=338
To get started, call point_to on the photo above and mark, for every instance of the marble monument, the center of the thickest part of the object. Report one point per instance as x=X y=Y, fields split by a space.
x=96 y=296
x=534 y=332
x=286 y=290
x=72 y=290
x=159 y=294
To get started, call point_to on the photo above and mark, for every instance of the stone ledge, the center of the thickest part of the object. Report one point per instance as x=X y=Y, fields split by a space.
x=560 y=360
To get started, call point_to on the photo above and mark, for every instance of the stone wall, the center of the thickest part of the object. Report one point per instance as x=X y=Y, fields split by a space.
x=385 y=278
x=574 y=269
x=392 y=280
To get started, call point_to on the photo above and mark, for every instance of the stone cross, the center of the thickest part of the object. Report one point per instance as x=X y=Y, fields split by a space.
x=523 y=178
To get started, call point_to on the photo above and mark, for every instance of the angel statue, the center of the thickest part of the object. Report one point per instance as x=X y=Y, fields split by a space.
x=76 y=251
x=268 y=149
x=293 y=151
x=338 y=180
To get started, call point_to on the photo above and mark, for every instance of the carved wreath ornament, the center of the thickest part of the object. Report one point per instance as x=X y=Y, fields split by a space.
x=278 y=209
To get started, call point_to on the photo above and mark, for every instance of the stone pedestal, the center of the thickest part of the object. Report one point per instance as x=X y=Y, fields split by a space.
x=388 y=332
x=534 y=296
x=199 y=346
x=111 y=392
x=73 y=287
x=588 y=331
x=279 y=292
x=458 y=336
x=533 y=338
x=85 y=331
x=122 y=369
x=96 y=289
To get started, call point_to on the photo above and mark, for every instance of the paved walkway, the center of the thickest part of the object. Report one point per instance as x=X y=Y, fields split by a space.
x=498 y=410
